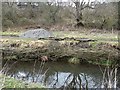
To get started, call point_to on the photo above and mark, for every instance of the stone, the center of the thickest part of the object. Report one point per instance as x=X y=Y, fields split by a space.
x=36 y=34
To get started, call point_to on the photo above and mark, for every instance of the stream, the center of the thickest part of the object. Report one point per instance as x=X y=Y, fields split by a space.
x=57 y=74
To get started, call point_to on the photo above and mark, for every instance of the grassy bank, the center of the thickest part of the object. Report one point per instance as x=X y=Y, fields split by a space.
x=10 y=33
x=92 y=52
x=88 y=34
x=8 y=82
x=107 y=37
x=103 y=51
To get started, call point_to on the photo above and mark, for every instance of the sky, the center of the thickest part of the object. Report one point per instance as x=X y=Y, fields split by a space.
x=57 y=0
x=45 y=0
x=78 y=0
x=92 y=0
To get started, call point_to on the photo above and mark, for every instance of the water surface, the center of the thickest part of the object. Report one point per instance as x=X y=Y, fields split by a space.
x=56 y=74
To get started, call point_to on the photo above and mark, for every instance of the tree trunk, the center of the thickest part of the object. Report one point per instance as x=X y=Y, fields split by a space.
x=78 y=15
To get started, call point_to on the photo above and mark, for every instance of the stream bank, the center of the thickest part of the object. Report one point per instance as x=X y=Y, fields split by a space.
x=72 y=51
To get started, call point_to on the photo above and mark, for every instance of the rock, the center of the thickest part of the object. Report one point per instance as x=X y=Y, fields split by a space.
x=36 y=34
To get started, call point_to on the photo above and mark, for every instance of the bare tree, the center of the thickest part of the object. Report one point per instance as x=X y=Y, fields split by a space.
x=53 y=8
x=80 y=5
x=10 y=3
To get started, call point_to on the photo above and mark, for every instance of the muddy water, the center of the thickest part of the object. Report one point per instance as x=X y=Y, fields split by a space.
x=56 y=74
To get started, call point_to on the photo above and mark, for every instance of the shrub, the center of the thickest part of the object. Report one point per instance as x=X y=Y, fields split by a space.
x=74 y=60
x=7 y=23
x=25 y=21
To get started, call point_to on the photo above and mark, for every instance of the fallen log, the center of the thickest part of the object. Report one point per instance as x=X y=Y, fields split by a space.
x=67 y=38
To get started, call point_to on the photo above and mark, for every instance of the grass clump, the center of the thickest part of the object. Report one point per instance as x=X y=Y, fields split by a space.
x=74 y=60
x=8 y=82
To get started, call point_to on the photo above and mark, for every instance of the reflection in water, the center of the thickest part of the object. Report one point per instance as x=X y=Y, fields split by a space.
x=57 y=74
